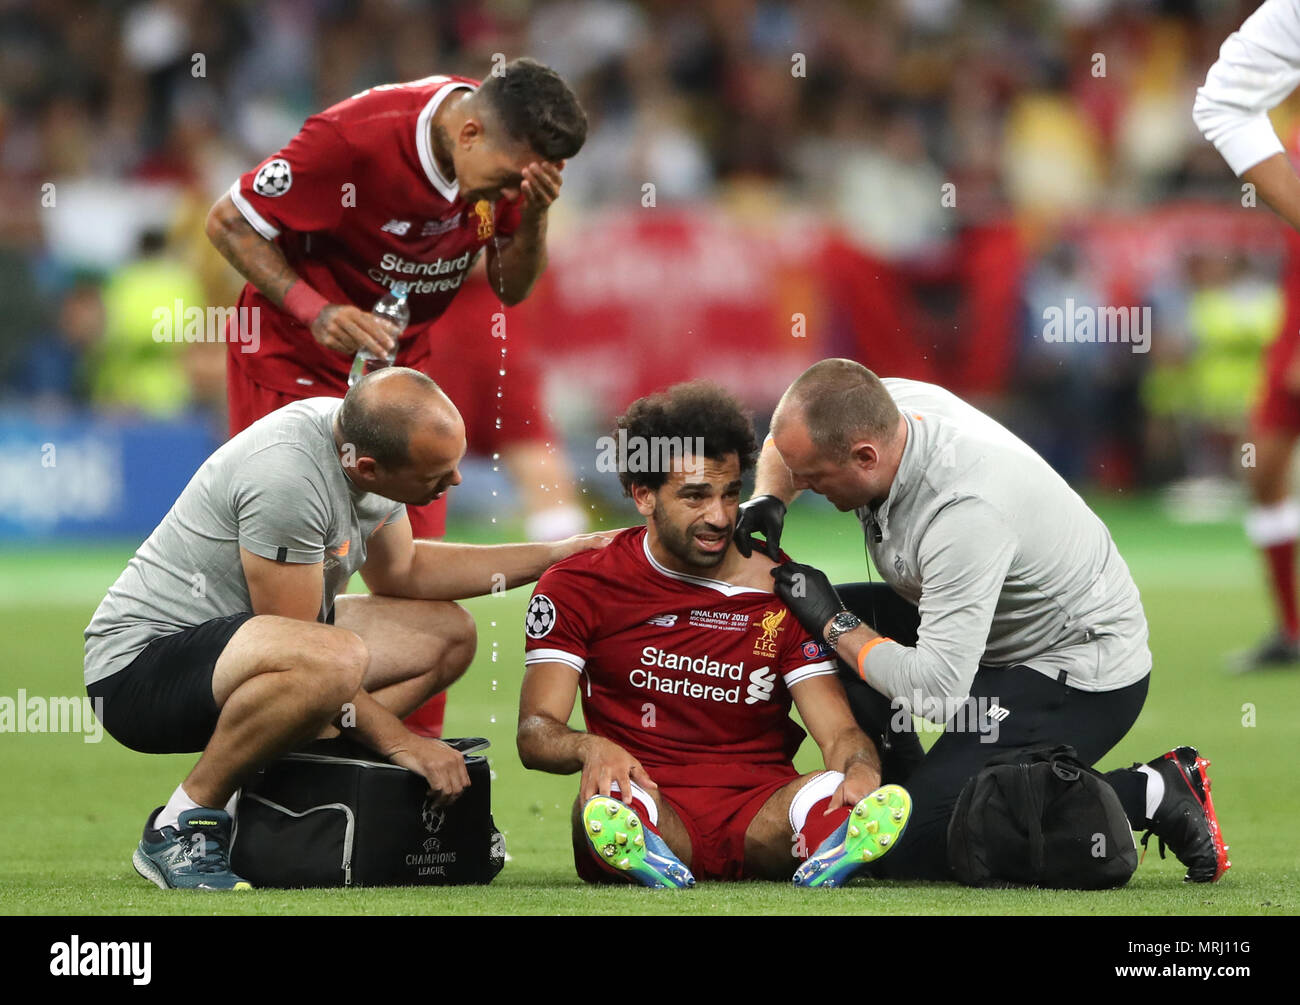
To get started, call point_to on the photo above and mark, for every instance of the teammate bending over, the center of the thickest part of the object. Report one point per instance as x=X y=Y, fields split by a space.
x=687 y=665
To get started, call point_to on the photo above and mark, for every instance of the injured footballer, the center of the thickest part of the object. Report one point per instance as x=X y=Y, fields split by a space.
x=687 y=665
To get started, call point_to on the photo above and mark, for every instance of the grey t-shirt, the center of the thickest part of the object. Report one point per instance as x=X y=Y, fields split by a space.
x=1006 y=562
x=278 y=490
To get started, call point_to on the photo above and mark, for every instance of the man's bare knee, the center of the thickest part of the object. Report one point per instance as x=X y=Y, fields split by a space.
x=336 y=666
x=462 y=641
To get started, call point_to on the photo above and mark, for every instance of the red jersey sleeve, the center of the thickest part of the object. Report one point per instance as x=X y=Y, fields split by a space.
x=803 y=657
x=301 y=188
x=560 y=620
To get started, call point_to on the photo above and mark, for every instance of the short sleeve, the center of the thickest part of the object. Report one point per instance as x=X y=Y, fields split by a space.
x=394 y=514
x=804 y=657
x=560 y=620
x=301 y=188
x=281 y=506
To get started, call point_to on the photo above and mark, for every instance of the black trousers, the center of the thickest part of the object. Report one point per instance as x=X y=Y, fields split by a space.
x=1034 y=709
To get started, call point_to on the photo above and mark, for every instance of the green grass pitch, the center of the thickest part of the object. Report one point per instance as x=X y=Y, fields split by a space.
x=71 y=812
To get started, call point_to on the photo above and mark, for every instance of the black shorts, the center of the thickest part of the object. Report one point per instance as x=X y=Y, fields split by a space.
x=161 y=702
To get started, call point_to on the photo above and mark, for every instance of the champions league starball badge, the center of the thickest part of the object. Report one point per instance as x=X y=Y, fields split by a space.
x=273 y=178
x=540 y=618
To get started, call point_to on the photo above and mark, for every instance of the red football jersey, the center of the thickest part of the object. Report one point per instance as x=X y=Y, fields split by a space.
x=678 y=670
x=356 y=203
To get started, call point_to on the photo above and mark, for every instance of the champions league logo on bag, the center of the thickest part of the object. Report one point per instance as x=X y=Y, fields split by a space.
x=432 y=859
x=433 y=816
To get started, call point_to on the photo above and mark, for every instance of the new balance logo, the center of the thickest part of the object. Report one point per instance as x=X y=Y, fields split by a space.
x=997 y=713
x=662 y=620
x=398 y=227
x=761 y=683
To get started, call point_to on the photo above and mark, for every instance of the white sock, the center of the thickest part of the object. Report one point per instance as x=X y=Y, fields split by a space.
x=176 y=805
x=1155 y=789
x=1270 y=525
x=230 y=806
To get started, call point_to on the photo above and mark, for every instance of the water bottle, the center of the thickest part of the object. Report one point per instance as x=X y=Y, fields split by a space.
x=394 y=311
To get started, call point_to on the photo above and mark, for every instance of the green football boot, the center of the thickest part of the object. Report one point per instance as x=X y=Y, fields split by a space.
x=871 y=829
x=622 y=843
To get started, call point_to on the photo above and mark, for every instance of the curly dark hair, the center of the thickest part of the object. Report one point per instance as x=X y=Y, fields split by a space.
x=697 y=408
x=536 y=107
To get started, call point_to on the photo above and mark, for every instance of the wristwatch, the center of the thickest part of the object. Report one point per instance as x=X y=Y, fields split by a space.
x=841 y=623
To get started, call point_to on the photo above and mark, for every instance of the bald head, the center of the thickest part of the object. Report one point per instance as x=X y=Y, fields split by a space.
x=384 y=410
x=838 y=403
x=840 y=433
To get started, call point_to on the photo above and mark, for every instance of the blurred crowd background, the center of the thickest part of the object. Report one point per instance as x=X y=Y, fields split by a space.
x=911 y=182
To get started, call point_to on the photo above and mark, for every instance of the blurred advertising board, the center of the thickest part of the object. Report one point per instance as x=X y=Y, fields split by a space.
x=86 y=476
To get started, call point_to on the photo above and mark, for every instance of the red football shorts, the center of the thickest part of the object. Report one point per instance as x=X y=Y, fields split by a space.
x=716 y=816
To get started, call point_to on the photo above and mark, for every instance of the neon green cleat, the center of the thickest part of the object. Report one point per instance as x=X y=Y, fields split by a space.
x=618 y=839
x=872 y=828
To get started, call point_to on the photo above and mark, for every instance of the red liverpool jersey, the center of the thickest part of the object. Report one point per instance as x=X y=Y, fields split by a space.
x=678 y=670
x=356 y=203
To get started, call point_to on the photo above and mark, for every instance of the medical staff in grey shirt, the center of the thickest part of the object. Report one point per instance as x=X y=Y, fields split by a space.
x=1006 y=612
x=228 y=633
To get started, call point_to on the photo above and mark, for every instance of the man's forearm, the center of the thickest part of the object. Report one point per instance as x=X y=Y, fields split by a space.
x=851 y=747
x=850 y=643
x=441 y=570
x=521 y=262
x=772 y=477
x=253 y=256
x=546 y=744
x=899 y=671
x=373 y=725
x=1276 y=182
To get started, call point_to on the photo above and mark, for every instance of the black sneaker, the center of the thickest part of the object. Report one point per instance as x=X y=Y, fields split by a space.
x=1278 y=650
x=1185 y=819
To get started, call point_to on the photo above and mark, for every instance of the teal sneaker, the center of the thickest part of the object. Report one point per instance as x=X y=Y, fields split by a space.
x=618 y=839
x=871 y=829
x=192 y=856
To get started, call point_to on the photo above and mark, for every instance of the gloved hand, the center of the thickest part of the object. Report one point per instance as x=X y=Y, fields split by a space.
x=809 y=593
x=761 y=515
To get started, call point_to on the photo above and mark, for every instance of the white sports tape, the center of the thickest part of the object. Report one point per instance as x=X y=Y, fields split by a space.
x=814 y=790
x=651 y=809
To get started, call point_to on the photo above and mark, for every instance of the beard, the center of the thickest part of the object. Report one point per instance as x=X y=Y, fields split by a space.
x=680 y=543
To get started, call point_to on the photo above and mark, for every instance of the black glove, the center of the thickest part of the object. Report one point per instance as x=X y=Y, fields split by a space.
x=761 y=515
x=808 y=592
